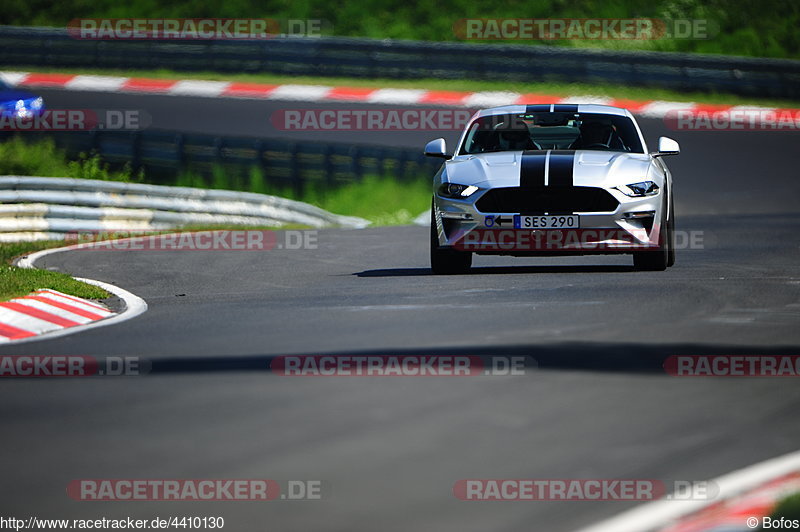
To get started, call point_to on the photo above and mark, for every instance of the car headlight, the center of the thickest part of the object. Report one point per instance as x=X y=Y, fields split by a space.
x=454 y=190
x=643 y=188
x=37 y=103
x=20 y=111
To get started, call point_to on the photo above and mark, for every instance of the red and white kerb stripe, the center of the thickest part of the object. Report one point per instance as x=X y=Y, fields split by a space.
x=321 y=93
x=45 y=311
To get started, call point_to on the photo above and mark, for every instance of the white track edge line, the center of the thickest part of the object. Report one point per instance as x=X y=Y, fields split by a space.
x=659 y=513
x=134 y=305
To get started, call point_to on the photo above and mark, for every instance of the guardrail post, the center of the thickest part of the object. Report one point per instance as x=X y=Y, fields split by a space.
x=400 y=168
x=93 y=141
x=355 y=164
x=327 y=165
x=258 y=146
x=381 y=163
x=180 y=155
x=294 y=170
x=136 y=149
x=218 y=150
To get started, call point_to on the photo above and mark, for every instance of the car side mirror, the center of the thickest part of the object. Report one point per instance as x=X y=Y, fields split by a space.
x=667 y=146
x=437 y=148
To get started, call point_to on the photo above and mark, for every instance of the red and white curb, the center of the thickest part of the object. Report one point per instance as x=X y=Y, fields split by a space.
x=44 y=311
x=46 y=314
x=743 y=512
x=754 y=488
x=323 y=93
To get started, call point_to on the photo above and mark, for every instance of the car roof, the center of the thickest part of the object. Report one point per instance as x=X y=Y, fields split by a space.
x=556 y=107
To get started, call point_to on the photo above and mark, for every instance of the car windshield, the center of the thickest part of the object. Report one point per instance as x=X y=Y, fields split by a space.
x=551 y=131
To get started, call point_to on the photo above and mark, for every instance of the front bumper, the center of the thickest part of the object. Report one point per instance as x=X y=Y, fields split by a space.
x=633 y=225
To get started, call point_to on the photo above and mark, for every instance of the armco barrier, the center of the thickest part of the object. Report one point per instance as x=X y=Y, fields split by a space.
x=394 y=59
x=282 y=162
x=36 y=208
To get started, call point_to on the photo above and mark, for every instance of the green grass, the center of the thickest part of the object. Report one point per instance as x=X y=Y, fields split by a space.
x=383 y=201
x=18 y=282
x=549 y=88
x=43 y=159
x=761 y=28
x=788 y=508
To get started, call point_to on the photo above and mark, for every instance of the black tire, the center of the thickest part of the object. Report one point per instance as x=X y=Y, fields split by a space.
x=656 y=260
x=671 y=256
x=447 y=261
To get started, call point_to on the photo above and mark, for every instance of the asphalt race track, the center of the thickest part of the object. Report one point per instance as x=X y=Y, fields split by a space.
x=389 y=450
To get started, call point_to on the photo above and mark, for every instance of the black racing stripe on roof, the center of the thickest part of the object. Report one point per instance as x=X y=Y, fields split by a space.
x=565 y=108
x=538 y=108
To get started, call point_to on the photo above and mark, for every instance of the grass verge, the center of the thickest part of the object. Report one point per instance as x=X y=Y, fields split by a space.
x=544 y=88
x=382 y=201
x=44 y=159
x=18 y=282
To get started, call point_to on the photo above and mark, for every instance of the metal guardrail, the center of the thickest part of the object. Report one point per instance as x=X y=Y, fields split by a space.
x=36 y=208
x=396 y=59
x=282 y=162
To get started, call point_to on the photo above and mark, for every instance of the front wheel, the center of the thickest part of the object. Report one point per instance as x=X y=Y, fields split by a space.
x=447 y=261
x=657 y=260
x=671 y=257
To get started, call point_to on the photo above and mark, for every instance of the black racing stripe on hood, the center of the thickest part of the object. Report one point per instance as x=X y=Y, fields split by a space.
x=538 y=108
x=560 y=169
x=565 y=108
x=531 y=169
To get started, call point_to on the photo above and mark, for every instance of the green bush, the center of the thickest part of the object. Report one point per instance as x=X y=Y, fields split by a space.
x=746 y=27
x=42 y=158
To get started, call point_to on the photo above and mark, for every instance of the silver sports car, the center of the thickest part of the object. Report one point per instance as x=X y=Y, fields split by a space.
x=555 y=179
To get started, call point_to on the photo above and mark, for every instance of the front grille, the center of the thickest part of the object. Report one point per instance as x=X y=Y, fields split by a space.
x=549 y=200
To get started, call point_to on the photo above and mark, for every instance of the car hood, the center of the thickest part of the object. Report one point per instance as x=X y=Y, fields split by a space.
x=582 y=167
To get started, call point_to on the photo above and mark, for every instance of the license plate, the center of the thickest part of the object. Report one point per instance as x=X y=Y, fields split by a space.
x=550 y=221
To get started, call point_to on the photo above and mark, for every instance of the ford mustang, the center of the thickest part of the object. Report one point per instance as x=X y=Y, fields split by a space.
x=554 y=179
